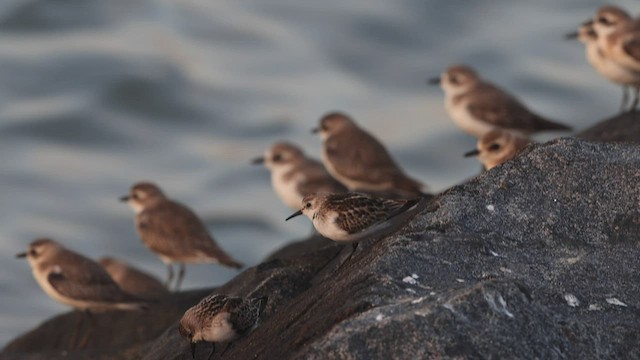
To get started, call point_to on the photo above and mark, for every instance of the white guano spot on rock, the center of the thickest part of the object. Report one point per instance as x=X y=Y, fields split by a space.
x=594 y=307
x=491 y=208
x=415 y=276
x=409 y=280
x=379 y=317
x=460 y=280
x=571 y=300
x=615 y=301
x=418 y=300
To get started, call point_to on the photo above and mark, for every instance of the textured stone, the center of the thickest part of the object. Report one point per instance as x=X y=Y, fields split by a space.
x=483 y=271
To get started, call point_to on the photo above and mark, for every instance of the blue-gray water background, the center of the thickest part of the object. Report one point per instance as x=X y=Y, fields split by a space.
x=95 y=95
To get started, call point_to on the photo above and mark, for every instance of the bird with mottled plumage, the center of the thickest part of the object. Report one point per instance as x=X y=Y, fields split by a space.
x=173 y=232
x=359 y=161
x=220 y=318
x=477 y=106
x=76 y=280
x=498 y=146
x=132 y=280
x=294 y=175
x=351 y=217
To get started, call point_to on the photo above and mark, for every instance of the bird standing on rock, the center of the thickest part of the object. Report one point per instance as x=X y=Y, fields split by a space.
x=173 y=231
x=477 y=106
x=294 y=175
x=359 y=161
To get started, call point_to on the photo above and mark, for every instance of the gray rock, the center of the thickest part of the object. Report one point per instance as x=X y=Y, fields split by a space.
x=481 y=272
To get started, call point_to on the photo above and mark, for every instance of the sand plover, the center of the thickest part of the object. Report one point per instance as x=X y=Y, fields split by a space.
x=360 y=161
x=132 y=280
x=477 y=106
x=293 y=175
x=351 y=217
x=498 y=146
x=220 y=318
x=618 y=39
x=173 y=231
x=75 y=280
x=607 y=67
x=618 y=36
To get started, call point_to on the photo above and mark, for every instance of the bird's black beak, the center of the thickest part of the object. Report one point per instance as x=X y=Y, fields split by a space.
x=315 y=130
x=193 y=350
x=297 y=213
x=434 y=80
x=571 y=36
x=474 y=152
x=124 y=198
x=258 y=161
x=21 y=255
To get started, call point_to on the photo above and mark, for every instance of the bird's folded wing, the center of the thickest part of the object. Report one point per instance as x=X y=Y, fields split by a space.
x=88 y=284
x=361 y=158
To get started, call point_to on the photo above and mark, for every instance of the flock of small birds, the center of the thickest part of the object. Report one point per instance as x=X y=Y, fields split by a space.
x=356 y=191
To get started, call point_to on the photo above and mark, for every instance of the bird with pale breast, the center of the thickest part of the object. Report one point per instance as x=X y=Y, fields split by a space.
x=606 y=66
x=173 y=232
x=359 y=161
x=351 y=217
x=477 y=106
x=132 y=280
x=618 y=36
x=498 y=146
x=76 y=280
x=220 y=318
x=294 y=175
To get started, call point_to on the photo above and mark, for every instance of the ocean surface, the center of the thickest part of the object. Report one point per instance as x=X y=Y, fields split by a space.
x=96 y=95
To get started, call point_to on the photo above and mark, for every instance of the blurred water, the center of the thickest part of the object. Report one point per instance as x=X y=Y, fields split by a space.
x=95 y=95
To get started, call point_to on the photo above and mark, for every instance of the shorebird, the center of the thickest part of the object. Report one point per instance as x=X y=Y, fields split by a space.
x=498 y=146
x=618 y=36
x=477 y=106
x=359 y=161
x=618 y=39
x=220 y=318
x=173 y=232
x=606 y=66
x=293 y=175
x=351 y=217
x=132 y=280
x=76 y=280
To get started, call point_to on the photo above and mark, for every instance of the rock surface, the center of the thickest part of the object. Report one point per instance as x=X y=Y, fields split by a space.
x=624 y=127
x=537 y=258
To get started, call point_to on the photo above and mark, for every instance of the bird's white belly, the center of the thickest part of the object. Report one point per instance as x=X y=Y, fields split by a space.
x=329 y=229
x=286 y=189
x=220 y=330
x=461 y=116
x=610 y=69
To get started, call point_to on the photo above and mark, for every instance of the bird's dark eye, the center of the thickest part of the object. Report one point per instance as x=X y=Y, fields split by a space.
x=603 y=20
x=277 y=157
x=308 y=205
x=324 y=127
x=33 y=253
x=454 y=79
x=494 y=147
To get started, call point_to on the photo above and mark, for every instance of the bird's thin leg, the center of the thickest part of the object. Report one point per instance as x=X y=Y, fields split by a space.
x=193 y=350
x=636 y=98
x=213 y=350
x=225 y=349
x=87 y=334
x=170 y=276
x=625 y=98
x=180 y=276
x=354 y=246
